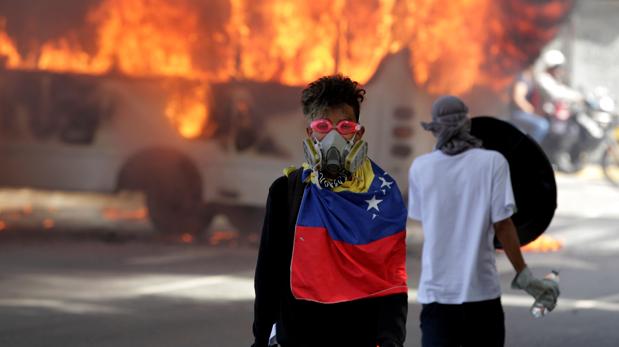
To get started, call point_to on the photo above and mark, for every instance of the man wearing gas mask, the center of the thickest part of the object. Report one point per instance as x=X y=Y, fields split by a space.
x=331 y=265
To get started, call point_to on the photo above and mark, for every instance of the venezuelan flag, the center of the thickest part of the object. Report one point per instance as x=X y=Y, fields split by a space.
x=350 y=243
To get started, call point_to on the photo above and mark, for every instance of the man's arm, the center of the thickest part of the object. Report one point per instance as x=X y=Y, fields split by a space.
x=505 y=232
x=557 y=90
x=520 y=97
x=545 y=291
x=266 y=303
x=392 y=320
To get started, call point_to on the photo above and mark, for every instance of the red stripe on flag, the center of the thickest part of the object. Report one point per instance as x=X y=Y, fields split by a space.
x=329 y=271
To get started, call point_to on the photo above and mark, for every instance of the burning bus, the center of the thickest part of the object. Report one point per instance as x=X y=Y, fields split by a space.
x=196 y=103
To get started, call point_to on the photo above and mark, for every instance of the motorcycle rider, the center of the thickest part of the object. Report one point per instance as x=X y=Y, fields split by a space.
x=551 y=79
x=524 y=97
x=558 y=101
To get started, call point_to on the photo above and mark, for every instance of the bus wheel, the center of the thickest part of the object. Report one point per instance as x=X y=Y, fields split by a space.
x=173 y=190
x=176 y=212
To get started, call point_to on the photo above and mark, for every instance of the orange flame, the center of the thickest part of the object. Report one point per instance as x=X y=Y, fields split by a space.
x=543 y=244
x=7 y=48
x=27 y=209
x=295 y=41
x=61 y=56
x=447 y=46
x=188 y=110
x=146 y=37
x=187 y=238
x=137 y=38
x=48 y=223
x=454 y=45
x=114 y=214
x=219 y=237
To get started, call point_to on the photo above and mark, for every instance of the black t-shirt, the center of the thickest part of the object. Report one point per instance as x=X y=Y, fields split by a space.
x=532 y=96
x=368 y=322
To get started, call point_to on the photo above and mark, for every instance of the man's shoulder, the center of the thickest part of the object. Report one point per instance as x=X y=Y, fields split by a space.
x=417 y=162
x=488 y=154
x=280 y=184
x=426 y=157
x=490 y=160
x=496 y=156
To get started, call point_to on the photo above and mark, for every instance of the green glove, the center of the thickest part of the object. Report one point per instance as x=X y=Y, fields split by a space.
x=544 y=291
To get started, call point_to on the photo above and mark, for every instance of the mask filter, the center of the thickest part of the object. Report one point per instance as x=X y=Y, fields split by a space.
x=355 y=158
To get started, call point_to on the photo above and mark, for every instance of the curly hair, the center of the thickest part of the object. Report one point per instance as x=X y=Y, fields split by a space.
x=331 y=91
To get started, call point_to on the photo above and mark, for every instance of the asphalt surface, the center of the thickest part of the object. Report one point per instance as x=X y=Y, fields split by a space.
x=127 y=291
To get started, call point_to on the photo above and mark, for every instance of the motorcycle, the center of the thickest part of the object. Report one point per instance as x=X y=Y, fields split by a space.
x=582 y=132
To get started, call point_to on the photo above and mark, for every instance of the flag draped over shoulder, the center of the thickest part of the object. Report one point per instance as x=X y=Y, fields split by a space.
x=350 y=243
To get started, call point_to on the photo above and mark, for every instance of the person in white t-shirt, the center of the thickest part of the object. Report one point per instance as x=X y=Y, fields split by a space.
x=462 y=195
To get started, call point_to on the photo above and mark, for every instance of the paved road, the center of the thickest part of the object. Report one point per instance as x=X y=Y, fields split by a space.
x=66 y=292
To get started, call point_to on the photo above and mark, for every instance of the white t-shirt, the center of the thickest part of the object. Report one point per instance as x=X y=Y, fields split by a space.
x=457 y=199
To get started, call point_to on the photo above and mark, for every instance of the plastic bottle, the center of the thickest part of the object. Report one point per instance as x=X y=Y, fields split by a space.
x=538 y=309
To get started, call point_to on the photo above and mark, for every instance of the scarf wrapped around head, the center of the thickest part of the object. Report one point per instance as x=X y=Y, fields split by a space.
x=451 y=126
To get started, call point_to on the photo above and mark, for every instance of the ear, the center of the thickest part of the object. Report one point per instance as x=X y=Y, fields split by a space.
x=360 y=133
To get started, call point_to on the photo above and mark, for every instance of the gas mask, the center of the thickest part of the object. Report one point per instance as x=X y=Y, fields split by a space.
x=334 y=154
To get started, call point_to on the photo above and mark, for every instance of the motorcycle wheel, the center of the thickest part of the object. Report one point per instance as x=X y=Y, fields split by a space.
x=577 y=159
x=610 y=163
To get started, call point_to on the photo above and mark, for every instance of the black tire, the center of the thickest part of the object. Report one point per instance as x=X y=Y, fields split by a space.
x=173 y=190
x=610 y=164
x=577 y=160
x=175 y=212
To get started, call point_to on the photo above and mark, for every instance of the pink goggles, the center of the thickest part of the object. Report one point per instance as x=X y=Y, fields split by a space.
x=344 y=127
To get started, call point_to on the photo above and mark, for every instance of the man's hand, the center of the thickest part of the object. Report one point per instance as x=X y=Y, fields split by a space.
x=544 y=291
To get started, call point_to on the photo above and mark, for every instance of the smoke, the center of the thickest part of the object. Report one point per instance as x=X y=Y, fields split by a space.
x=32 y=22
x=528 y=25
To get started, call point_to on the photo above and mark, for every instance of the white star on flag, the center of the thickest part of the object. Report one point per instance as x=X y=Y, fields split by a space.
x=373 y=203
x=385 y=182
